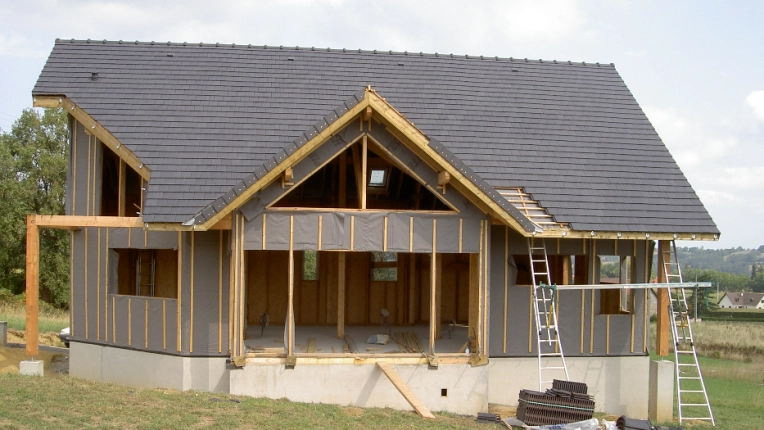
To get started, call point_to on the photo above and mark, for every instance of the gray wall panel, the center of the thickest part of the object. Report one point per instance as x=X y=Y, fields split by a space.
x=207 y=301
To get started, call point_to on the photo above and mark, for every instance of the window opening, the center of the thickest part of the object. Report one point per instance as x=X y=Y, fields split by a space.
x=310 y=265
x=616 y=270
x=384 y=266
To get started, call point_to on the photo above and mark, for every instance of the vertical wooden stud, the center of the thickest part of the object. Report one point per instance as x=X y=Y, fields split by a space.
x=320 y=230
x=164 y=324
x=220 y=291
x=433 y=290
x=146 y=324
x=461 y=236
x=290 y=309
x=85 y=283
x=265 y=223
x=506 y=287
x=364 y=161
x=121 y=188
x=106 y=292
x=129 y=321
x=352 y=232
x=341 y=295
x=32 y=287
x=384 y=236
x=179 y=343
x=98 y=285
x=191 y=297
x=411 y=234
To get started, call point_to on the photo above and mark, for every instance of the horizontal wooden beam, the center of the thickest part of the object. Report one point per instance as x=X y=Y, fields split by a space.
x=70 y=222
x=95 y=128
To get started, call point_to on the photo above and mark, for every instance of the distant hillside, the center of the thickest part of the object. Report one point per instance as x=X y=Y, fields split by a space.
x=733 y=260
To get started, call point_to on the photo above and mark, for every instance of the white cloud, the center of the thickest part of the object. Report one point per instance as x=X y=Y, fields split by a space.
x=545 y=19
x=714 y=198
x=756 y=101
x=17 y=46
x=743 y=177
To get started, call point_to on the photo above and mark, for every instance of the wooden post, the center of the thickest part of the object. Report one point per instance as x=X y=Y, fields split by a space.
x=434 y=323
x=32 y=291
x=662 y=329
x=341 y=295
x=438 y=290
x=474 y=300
x=290 y=304
x=364 y=161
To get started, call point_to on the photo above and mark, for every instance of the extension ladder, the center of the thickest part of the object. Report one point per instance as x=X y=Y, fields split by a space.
x=689 y=380
x=550 y=354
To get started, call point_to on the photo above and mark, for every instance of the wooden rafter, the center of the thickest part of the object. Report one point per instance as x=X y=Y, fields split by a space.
x=96 y=129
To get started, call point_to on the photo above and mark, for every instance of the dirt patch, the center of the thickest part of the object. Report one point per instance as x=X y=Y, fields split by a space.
x=352 y=411
x=503 y=410
x=55 y=362
x=48 y=338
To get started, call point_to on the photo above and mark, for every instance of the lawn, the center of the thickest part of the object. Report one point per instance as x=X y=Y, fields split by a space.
x=50 y=323
x=64 y=402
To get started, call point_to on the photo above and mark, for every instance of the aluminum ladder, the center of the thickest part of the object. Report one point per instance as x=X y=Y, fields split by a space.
x=550 y=355
x=690 y=388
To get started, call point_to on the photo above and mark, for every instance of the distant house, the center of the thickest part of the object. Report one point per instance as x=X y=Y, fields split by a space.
x=742 y=300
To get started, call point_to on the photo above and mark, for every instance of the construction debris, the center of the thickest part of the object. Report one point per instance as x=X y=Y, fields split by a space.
x=408 y=342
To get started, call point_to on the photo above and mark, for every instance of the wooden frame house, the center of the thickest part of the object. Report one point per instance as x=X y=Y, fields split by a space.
x=245 y=218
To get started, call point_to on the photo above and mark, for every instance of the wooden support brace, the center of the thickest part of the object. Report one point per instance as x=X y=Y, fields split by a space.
x=341 y=295
x=405 y=391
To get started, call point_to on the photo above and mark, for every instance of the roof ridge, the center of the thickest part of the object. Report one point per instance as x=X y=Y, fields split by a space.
x=335 y=50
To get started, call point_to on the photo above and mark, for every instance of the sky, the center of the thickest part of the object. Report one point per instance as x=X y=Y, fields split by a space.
x=695 y=67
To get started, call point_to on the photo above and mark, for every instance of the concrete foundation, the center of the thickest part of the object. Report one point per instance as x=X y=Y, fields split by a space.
x=661 y=391
x=146 y=369
x=32 y=367
x=619 y=384
x=461 y=389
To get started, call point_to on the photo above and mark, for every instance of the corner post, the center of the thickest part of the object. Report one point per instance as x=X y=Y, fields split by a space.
x=32 y=280
x=662 y=328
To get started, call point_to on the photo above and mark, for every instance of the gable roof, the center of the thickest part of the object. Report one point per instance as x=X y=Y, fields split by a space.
x=203 y=117
x=744 y=299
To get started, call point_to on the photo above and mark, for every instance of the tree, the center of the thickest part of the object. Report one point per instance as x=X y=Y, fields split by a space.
x=33 y=162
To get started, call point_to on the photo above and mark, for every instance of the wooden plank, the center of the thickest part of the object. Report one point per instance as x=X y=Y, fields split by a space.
x=224 y=224
x=405 y=391
x=311 y=345
x=474 y=290
x=75 y=221
x=220 y=293
x=290 y=302
x=95 y=128
x=506 y=286
x=191 y=297
x=439 y=295
x=32 y=287
x=98 y=285
x=85 y=283
x=343 y=178
x=434 y=323
x=164 y=324
x=364 y=165
x=179 y=313
x=129 y=322
x=662 y=325
x=242 y=274
x=146 y=324
x=105 y=293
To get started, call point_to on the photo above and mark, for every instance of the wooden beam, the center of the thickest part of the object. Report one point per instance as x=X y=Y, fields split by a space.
x=191 y=296
x=474 y=300
x=434 y=323
x=405 y=391
x=96 y=129
x=364 y=166
x=220 y=292
x=341 y=295
x=367 y=114
x=70 y=222
x=32 y=287
x=662 y=326
x=224 y=224
x=413 y=290
x=290 y=293
x=179 y=313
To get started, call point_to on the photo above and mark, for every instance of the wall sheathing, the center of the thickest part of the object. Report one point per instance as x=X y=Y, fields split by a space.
x=584 y=331
x=100 y=315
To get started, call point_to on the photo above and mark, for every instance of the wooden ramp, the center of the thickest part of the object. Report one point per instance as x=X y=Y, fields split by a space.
x=406 y=391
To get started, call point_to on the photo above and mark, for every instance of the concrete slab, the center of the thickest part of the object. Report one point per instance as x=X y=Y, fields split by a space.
x=32 y=367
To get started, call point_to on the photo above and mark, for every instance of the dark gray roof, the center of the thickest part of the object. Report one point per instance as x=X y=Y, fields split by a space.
x=203 y=118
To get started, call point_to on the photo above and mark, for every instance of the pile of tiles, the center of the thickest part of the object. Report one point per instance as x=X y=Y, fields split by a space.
x=565 y=402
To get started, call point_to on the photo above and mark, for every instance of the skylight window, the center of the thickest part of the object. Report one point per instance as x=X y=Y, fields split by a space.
x=378 y=178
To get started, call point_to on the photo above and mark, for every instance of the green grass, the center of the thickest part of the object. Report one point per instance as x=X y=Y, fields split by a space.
x=50 y=320
x=735 y=390
x=65 y=402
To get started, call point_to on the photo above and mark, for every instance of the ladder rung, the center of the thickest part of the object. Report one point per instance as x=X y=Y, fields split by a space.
x=690 y=377
x=552 y=368
x=706 y=418
x=691 y=391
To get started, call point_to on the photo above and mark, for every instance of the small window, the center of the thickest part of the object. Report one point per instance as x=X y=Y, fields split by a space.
x=378 y=177
x=384 y=266
x=616 y=270
x=310 y=265
x=145 y=272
